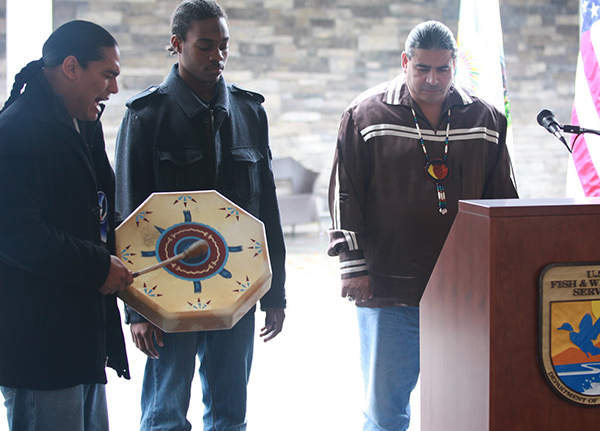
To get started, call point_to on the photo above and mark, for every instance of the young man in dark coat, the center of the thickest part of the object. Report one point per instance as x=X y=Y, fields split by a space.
x=196 y=132
x=59 y=321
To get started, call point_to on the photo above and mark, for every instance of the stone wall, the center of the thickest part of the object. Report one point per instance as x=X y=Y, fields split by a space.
x=310 y=58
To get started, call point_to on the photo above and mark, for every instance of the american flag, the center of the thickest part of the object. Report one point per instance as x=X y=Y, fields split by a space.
x=586 y=107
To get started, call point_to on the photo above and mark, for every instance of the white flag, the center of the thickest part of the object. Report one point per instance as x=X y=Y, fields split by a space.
x=480 y=63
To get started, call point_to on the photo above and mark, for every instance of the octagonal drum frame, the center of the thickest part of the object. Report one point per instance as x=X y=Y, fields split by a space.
x=208 y=293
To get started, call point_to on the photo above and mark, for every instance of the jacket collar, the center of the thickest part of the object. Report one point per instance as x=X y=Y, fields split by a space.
x=397 y=93
x=50 y=108
x=188 y=101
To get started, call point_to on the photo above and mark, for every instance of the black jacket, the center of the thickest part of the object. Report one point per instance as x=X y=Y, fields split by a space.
x=170 y=140
x=56 y=329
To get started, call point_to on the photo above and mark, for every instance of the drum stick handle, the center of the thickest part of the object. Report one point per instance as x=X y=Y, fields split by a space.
x=198 y=248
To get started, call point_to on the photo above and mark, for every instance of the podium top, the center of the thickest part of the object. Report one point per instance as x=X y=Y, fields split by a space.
x=530 y=207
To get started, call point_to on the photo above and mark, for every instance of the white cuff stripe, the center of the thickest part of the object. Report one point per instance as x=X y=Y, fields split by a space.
x=351 y=240
x=348 y=263
x=354 y=269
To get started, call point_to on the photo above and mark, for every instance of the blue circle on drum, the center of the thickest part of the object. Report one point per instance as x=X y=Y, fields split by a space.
x=183 y=244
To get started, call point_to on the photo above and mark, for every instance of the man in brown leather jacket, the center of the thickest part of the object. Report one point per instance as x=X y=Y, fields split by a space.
x=407 y=151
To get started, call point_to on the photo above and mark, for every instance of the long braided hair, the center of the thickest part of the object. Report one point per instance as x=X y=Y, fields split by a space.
x=82 y=39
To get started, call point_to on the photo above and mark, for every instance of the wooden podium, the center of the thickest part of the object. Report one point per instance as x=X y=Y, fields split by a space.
x=479 y=316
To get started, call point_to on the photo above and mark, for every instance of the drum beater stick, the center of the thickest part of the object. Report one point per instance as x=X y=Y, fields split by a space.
x=197 y=248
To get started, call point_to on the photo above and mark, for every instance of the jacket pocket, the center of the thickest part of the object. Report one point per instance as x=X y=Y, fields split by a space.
x=247 y=172
x=180 y=169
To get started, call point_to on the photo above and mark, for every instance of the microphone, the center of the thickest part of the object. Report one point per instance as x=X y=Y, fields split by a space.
x=546 y=119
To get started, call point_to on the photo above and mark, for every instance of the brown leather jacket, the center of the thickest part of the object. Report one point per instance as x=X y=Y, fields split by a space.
x=386 y=219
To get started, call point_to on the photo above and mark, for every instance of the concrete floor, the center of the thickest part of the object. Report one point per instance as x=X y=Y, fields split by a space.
x=306 y=379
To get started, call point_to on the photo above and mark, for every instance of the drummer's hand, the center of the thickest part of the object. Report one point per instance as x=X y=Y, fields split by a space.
x=143 y=335
x=273 y=323
x=118 y=278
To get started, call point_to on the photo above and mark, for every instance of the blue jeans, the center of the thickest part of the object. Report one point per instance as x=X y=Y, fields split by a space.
x=79 y=408
x=225 y=360
x=389 y=349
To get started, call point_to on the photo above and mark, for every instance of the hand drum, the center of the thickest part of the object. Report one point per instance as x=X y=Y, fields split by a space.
x=207 y=292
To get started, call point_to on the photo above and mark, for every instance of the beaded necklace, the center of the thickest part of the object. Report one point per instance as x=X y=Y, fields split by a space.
x=437 y=170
